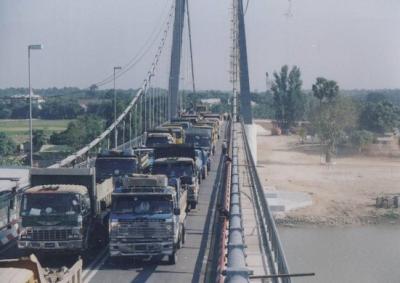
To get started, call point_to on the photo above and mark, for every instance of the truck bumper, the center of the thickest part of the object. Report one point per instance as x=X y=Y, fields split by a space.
x=118 y=249
x=73 y=245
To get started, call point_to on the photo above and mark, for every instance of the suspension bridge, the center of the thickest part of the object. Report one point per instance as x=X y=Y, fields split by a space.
x=231 y=236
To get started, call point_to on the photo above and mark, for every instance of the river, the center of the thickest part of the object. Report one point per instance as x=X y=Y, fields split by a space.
x=368 y=254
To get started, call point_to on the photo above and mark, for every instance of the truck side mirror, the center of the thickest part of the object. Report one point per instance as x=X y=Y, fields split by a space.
x=177 y=211
x=103 y=205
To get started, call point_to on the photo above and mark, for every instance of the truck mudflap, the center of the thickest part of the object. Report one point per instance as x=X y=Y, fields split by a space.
x=192 y=193
x=118 y=249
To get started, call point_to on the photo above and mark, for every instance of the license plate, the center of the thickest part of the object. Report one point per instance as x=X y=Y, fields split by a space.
x=49 y=245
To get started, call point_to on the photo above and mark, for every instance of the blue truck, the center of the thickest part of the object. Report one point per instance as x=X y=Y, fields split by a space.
x=147 y=218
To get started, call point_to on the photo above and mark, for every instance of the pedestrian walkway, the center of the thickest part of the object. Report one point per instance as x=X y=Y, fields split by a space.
x=256 y=261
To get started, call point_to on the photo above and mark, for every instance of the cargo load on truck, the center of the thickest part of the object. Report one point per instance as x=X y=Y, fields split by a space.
x=29 y=270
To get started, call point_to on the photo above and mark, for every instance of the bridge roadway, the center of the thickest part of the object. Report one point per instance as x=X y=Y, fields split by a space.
x=192 y=257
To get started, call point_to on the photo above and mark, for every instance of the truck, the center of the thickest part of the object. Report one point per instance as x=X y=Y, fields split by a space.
x=29 y=270
x=201 y=137
x=65 y=211
x=184 y=169
x=117 y=163
x=147 y=218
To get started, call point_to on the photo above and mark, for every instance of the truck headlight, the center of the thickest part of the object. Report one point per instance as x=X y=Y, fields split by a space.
x=26 y=233
x=113 y=225
x=75 y=234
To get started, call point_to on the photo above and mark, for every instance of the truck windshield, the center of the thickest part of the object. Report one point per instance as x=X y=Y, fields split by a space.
x=50 y=204
x=152 y=141
x=196 y=140
x=106 y=167
x=142 y=204
x=173 y=169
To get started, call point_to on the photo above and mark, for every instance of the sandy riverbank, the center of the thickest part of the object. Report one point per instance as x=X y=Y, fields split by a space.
x=342 y=194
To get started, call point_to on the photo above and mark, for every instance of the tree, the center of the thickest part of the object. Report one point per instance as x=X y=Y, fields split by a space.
x=361 y=139
x=325 y=90
x=39 y=138
x=80 y=132
x=61 y=109
x=7 y=145
x=288 y=100
x=331 y=121
x=379 y=117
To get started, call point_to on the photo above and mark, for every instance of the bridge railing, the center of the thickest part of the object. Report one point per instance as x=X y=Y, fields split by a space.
x=236 y=271
x=269 y=231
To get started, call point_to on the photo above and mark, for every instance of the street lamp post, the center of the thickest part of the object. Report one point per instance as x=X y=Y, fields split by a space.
x=31 y=47
x=115 y=110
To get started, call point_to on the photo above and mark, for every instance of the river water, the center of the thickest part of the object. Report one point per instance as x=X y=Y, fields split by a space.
x=369 y=254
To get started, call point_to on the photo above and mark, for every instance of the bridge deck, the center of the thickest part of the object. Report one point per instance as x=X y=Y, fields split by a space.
x=192 y=258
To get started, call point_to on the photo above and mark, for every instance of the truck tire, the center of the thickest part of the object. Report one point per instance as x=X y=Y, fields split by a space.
x=179 y=243
x=183 y=238
x=99 y=237
x=172 y=259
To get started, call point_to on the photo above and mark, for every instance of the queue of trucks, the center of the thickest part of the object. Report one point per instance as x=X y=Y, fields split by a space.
x=135 y=199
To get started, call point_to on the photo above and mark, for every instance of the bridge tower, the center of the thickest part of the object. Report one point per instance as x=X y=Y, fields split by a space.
x=243 y=71
x=176 y=52
x=245 y=96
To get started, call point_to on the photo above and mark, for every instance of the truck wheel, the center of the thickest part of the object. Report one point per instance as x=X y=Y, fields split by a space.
x=183 y=237
x=172 y=259
x=99 y=237
x=193 y=205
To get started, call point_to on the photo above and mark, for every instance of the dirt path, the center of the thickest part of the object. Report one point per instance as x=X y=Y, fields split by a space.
x=343 y=193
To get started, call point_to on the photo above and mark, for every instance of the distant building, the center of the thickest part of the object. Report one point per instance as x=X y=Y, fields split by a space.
x=211 y=101
x=35 y=98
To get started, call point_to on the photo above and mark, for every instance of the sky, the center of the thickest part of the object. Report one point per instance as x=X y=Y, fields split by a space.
x=354 y=42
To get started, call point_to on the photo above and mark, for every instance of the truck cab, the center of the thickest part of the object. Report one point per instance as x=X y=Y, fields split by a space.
x=147 y=218
x=65 y=210
x=116 y=163
x=154 y=139
x=52 y=217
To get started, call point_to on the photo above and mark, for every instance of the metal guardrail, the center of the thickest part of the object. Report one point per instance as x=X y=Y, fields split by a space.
x=273 y=245
x=236 y=271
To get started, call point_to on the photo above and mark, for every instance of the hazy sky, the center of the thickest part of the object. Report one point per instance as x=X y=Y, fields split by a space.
x=355 y=42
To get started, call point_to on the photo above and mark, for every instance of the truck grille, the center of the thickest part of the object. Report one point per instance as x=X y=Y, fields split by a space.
x=144 y=228
x=50 y=235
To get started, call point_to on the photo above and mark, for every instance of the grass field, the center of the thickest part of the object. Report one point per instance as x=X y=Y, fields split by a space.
x=18 y=129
